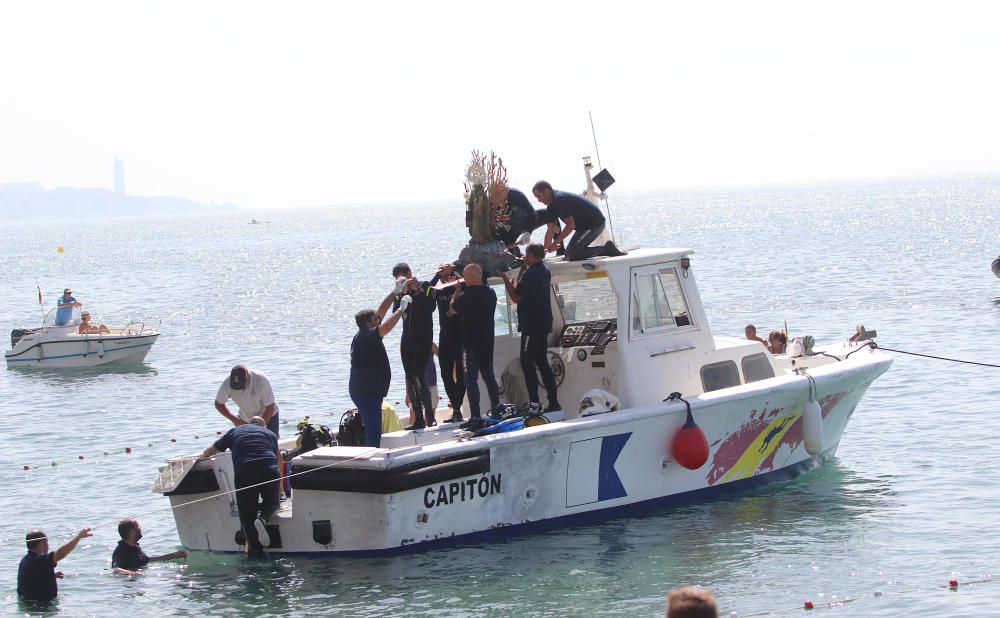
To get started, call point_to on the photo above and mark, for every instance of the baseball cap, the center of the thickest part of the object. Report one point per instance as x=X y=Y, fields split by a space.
x=238 y=378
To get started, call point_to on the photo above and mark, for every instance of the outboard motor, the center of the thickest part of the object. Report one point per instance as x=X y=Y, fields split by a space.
x=18 y=333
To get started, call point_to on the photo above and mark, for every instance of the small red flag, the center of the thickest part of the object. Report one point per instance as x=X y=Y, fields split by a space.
x=39 y=295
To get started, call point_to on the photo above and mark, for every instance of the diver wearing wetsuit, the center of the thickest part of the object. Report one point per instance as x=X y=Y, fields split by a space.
x=477 y=306
x=415 y=346
x=523 y=220
x=450 y=342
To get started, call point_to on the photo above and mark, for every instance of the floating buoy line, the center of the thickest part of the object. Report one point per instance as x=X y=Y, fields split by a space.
x=366 y=453
x=952 y=585
x=127 y=450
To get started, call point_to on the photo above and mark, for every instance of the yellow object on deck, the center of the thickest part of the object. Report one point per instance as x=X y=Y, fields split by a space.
x=390 y=422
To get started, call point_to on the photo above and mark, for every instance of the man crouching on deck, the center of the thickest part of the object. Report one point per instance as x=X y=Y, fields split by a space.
x=255 y=466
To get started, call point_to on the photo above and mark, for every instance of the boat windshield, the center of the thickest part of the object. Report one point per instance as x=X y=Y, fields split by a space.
x=68 y=318
x=587 y=300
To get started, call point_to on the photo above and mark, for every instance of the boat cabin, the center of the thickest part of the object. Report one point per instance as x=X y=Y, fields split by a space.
x=632 y=325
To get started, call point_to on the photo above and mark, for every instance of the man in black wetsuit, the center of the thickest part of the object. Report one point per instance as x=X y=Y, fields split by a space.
x=579 y=215
x=524 y=219
x=128 y=558
x=450 y=341
x=255 y=467
x=477 y=305
x=415 y=345
x=532 y=292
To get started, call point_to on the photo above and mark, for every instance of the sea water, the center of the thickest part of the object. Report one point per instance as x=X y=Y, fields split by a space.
x=911 y=501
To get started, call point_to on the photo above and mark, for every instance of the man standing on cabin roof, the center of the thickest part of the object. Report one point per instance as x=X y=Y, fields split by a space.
x=65 y=304
x=415 y=344
x=255 y=467
x=533 y=294
x=477 y=305
x=577 y=214
x=37 y=574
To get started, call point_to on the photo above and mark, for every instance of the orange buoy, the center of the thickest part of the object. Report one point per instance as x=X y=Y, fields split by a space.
x=689 y=447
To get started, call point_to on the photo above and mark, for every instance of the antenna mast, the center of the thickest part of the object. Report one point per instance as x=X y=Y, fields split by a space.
x=604 y=195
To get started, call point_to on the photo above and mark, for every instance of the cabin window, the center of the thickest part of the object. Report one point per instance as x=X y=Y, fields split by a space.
x=586 y=300
x=505 y=316
x=658 y=301
x=719 y=375
x=757 y=367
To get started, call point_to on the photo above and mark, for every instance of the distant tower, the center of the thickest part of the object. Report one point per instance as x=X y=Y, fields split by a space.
x=119 y=177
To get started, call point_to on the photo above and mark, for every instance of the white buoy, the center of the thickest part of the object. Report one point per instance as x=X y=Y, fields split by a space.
x=812 y=421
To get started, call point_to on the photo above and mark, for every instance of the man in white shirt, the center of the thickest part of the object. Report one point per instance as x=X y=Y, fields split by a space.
x=251 y=392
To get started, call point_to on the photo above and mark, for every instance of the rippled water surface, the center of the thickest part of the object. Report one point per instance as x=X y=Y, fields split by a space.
x=912 y=499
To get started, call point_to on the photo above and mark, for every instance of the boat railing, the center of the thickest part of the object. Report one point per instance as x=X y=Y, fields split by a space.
x=140 y=327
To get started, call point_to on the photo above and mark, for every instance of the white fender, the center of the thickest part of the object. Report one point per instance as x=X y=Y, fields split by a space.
x=812 y=427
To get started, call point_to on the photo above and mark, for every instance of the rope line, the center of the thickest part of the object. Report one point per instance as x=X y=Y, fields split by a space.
x=808 y=605
x=944 y=358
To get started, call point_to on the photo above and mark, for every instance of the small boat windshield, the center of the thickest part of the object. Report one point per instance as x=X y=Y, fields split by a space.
x=65 y=316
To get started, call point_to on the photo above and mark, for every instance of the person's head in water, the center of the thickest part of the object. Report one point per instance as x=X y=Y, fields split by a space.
x=366 y=318
x=534 y=253
x=401 y=270
x=543 y=192
x=239 y=377
x=258 y=420
x=691 y=602
x=750 y=331
x=37 y=541
x=473 y=274
x=129 y=530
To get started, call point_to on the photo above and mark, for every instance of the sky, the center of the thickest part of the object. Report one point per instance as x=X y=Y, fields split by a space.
x=273 y=104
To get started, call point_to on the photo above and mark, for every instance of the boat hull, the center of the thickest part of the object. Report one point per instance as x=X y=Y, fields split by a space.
x=354 y=500
x=81 y=352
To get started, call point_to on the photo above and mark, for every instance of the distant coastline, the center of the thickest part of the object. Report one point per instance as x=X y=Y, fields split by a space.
x=28 y=200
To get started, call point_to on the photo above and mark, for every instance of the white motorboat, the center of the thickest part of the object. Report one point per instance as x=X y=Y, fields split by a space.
x=64 y=346
x=631 y=326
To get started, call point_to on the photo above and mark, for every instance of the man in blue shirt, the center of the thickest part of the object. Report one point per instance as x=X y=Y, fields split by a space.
x=255 y=467
x=370 y=372
x=577 y=214
x=37 y=574
x=532 y=292
x=66 y=302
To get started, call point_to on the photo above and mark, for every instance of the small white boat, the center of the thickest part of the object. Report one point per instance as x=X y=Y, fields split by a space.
x=64 y=346
x=631 y=326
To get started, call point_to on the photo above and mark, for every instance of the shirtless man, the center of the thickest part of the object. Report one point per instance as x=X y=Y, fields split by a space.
x=88 y=328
